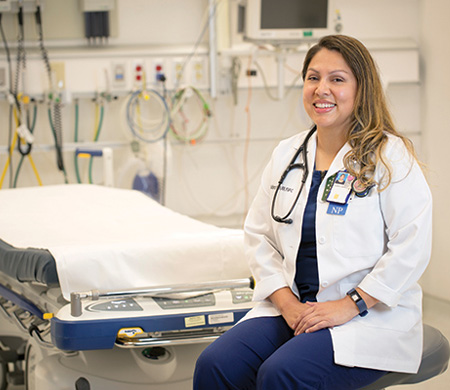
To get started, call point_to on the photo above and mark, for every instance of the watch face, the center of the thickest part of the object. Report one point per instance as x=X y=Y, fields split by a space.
x=354 y=297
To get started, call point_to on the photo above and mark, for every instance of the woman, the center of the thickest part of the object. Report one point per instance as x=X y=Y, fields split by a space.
x=336 y=266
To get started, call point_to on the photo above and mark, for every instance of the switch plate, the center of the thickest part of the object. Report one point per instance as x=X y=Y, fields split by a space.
x=119 y=74
x=58 y=75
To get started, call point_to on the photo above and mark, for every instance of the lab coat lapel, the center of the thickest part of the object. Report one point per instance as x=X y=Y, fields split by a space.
x=338 y=162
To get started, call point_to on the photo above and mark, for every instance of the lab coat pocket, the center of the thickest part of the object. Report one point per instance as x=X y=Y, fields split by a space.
x=400 y=318
x=360 y=232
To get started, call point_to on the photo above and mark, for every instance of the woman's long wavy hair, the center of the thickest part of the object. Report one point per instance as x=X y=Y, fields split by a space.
x=371 y=119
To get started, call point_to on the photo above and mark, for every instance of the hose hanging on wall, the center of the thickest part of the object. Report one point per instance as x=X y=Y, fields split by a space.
x=18 y=119
x=31 y=127
x=55 y=104
x=75 y=139
x=20 y=70
x=8 y=161
x=148 y=116
x=100 y=109
x=99 y=123
x=12 y=100
x=180 y=123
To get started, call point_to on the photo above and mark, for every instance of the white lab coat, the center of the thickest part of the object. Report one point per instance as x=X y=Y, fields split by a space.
x=382 y=244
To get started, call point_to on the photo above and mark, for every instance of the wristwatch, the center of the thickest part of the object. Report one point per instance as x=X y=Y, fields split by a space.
x=358 y=301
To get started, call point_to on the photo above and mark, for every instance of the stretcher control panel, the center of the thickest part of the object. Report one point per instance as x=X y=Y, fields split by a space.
x=147 y=320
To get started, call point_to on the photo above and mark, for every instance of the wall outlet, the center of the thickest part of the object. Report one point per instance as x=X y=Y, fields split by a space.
x=178 y=73
x=158 y=70
x=199 y=72
x=138 y=73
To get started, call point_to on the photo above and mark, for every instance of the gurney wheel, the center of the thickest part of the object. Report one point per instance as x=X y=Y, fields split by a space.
x=3 y=372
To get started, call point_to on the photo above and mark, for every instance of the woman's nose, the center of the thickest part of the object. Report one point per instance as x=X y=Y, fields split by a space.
x=323 y=88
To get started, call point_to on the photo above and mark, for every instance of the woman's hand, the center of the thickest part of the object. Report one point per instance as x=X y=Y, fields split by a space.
x=320 y=315
x=288 y=305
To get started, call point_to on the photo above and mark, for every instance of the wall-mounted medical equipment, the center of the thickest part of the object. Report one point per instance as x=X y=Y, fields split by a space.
x=96 y=19
x=21 y=121
x=287 y=21
x=13 y=6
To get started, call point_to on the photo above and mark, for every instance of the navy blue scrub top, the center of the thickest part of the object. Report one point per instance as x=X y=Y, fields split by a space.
x=307 y=274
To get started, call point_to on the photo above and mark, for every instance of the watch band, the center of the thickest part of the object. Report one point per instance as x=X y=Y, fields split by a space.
x=354 y=295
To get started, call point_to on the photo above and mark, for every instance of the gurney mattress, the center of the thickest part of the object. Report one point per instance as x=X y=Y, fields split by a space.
x=110 y=239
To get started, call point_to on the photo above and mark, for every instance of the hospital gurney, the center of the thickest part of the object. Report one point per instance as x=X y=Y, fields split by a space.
x=179 y=286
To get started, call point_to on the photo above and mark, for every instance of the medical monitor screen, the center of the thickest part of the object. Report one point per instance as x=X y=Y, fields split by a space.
x=294 y=14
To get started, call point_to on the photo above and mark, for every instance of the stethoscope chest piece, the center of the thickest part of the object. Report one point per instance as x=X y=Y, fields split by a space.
x=359 y=189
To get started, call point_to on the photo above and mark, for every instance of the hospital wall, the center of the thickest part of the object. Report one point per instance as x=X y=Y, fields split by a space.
x=215 y=178
x=435 y=84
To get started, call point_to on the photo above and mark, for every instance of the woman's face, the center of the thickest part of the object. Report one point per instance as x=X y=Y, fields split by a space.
x=329 y=92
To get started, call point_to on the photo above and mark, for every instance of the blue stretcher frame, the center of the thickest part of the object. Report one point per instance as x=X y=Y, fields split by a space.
x=83 y=335
x=101 y=334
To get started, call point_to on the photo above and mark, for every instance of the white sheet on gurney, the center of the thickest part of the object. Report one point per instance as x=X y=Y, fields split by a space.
x=113 y=239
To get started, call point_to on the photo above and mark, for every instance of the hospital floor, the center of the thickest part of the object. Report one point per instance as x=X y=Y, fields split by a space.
x=437 y=314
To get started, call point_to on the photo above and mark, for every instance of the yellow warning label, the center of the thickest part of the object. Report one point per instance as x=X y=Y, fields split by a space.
x=130 y=332
x=194 y=321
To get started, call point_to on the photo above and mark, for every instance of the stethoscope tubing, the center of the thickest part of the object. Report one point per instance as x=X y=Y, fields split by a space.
x=304 y=150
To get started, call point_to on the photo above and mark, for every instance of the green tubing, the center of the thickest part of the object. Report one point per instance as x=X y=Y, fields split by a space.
x=97 y=135
x=77 y=170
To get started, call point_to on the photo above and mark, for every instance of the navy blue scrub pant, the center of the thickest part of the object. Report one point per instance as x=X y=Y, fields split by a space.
x=262 y=353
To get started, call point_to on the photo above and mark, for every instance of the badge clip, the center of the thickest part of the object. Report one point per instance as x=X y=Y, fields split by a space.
x=360 y=190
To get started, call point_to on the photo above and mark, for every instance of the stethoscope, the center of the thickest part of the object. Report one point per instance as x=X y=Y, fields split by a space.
x=293 y=165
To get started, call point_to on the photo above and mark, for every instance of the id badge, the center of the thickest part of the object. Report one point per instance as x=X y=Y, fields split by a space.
x=328 y=187
x=341 y=189
x=337 y=209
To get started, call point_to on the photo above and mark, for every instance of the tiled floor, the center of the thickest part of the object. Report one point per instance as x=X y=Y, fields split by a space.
x=437 y=314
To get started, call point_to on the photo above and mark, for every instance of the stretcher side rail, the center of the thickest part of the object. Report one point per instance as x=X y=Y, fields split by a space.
x=172 y=338
x=77 y=297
